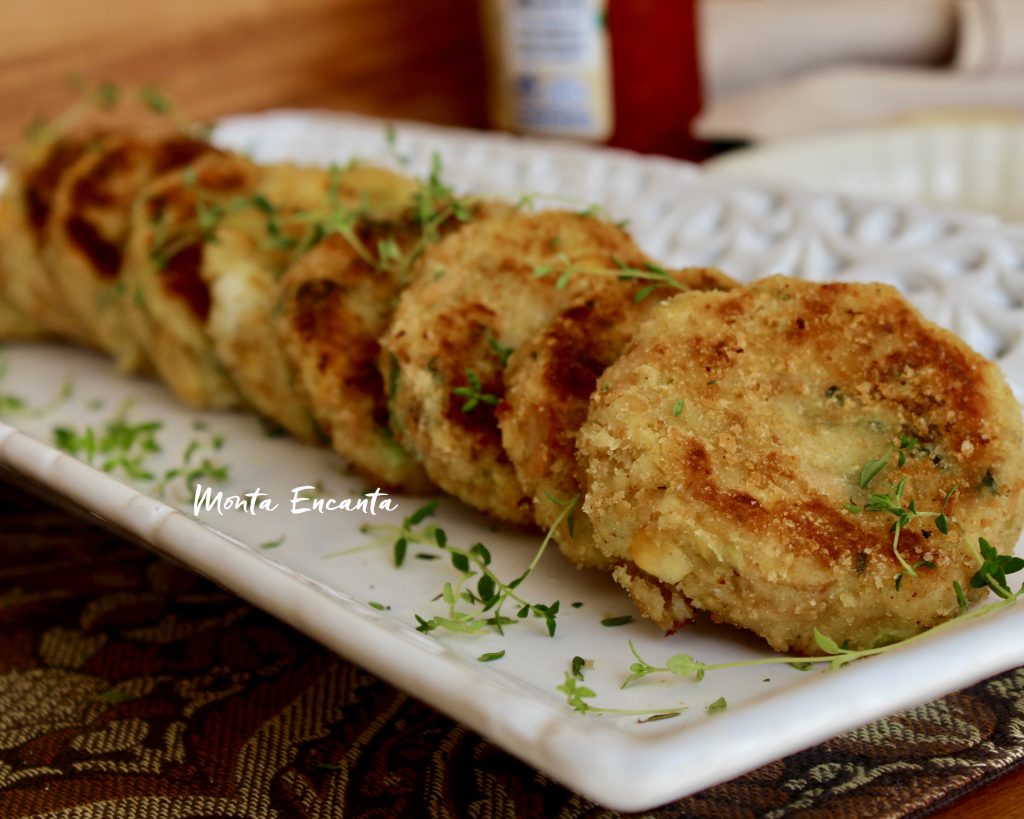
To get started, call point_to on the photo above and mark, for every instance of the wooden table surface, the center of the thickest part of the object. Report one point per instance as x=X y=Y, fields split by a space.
x=391 y=58
x=1003 y=799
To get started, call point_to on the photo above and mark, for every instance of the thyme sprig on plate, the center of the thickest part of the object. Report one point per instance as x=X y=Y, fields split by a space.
x=117 y=447
x=125 y=448
x=490 y=594
x=410 y=531
x=477 y=587
x=577 y=694
x=197 y=464
x=835 y=656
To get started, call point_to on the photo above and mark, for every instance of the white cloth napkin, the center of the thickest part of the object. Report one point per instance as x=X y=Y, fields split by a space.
x=991 y=36
x=799 y=67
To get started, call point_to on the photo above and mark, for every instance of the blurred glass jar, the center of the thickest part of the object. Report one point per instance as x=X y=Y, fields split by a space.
x=620 y=72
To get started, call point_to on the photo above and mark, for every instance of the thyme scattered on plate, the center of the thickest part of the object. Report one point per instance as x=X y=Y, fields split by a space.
x=117 y=447
x=486 y=595
x=577 y=694
x=836 y=656
x=398 y=537
x=125 y=449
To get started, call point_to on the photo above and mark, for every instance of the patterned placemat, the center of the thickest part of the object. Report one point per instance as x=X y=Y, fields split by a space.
x=131 y=687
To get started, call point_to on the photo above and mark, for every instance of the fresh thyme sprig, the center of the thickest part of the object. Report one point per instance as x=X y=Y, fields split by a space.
x=564 y=269
x=835 y=656
x=107 y=96
x=577 y=694
x=399 y=537
x=500 y=350
x=210 y=211
x=118 y=447
x=872 y=468
x=892 y=503
x=295 y=231
x=994 y=569
x=182 y=479
x=126 y=449
x=474 y=393
x=490 y=594
x=528 y=201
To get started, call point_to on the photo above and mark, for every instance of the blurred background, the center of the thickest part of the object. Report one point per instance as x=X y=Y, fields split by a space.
x=687 y=78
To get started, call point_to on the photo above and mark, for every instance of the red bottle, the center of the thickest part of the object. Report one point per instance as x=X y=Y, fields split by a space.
x=621 y=72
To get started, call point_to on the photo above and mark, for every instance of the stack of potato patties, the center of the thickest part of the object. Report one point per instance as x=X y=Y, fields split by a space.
x=786 y=456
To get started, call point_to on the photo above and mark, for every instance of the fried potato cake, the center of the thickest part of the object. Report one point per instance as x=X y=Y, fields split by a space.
x=14 y=323
x=252 y=250
x=167 y=303
x=88 y=228
x=336 y=302
x=35 y=176
x=754 y=449
x=480 y=293
x=548 y=384
x=334 y=306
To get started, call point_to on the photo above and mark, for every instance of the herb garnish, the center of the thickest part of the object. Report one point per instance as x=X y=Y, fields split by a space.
x=491 y=593
x=994 y=569
x=121 y=447
x=125 y=449
x=892 y=503
x=577 y=695
x=836 y=656
x=564 y=268
x=399 y=537
x=474 y=393
x=11 y=404
x=500 y=350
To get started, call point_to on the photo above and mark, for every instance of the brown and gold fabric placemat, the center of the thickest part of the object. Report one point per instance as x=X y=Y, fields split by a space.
x=132 y=688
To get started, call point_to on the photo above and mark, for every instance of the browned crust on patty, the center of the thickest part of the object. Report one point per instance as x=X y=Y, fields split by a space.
x=334 y=306
x=88 y=231
x=790 y=388
x=478 y=287
x=550 y=381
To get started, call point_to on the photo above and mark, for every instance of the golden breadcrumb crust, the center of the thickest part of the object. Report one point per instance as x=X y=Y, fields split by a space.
x=736 y=427
x=549 y=381
x=166 y=301
x=88 y=228
x=36 y=172
x=252 y=250
x=477 y=293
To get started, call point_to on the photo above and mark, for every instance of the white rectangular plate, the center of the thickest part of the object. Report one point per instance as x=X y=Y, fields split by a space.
x=963 y=271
